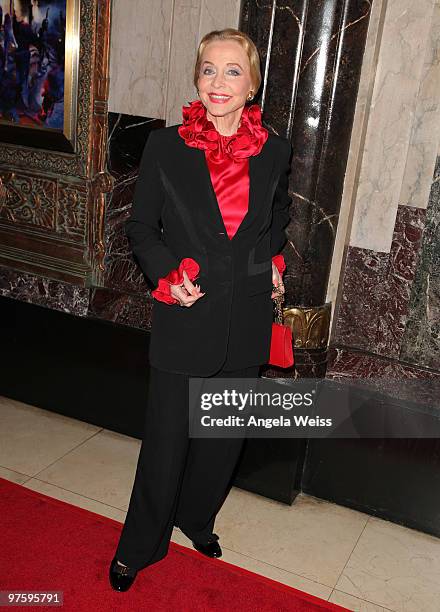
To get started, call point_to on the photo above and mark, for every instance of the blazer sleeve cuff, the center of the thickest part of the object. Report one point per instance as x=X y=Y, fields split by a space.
x=278 y=260
x=175 y=277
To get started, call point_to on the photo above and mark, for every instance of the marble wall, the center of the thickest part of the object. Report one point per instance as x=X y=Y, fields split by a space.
x=384 y=277
x=405 y=94
x=384 y=274
x=421 y=338
x=153 y=48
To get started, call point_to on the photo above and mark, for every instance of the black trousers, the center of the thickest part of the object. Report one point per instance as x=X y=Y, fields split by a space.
x=180 y=481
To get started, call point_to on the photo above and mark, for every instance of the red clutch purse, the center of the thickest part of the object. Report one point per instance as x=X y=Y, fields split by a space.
x=281 y=348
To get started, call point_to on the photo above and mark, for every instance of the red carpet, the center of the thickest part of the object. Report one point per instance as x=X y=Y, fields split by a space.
x=48 y=544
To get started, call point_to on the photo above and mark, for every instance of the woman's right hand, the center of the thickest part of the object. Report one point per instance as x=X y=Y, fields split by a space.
x=187 y=293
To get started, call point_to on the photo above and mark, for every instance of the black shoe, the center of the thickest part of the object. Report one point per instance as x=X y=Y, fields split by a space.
x=211 y=549
x=121 y=578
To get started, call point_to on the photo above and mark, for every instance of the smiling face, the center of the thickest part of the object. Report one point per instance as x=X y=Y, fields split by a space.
x=225 y=77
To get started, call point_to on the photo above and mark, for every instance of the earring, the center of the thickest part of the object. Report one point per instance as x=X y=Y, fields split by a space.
x=250 y=96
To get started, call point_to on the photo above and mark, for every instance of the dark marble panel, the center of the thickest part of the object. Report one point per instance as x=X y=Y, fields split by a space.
x=286 y=52
x=394 y=309
x=375 y=299
x=421 y=338
x=309 y=363
x=361 y=299
x=359 y=364
x=43 y=291
x=255 y=19
x=122 y=308
x=313 y=58
x=126 y=141
x=395 y=378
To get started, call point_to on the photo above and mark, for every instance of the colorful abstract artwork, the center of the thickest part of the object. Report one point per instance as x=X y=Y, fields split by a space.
x=32 y=60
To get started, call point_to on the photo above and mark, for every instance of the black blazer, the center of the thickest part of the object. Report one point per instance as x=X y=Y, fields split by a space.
x=175 y=214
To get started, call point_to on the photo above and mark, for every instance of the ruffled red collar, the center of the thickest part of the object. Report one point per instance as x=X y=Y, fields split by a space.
x=199 y=132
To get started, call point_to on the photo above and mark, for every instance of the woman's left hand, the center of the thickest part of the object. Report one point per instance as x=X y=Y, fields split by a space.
x=277 y=280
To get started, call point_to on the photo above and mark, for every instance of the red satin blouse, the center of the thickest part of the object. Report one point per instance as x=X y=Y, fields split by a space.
x=227 y=158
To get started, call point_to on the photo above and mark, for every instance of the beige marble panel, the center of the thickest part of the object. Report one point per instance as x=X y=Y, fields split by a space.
x=394 y=567
x=424 y=143
x=184 y=41
x=102 y=469
x=191 y=21
x=75 y=500
x=139 y=54
x=399 y=70
x=360 y=122
x=152 y=52
x=13 y=476
x=354 y=603
x=33 y=439
x=218 y=15
x=261 y=568
x=312 y=538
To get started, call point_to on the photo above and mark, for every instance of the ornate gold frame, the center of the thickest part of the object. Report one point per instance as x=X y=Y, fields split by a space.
x=41 y=137
x=71 y=67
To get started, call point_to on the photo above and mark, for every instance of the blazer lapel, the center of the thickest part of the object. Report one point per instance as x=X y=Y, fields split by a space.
x=195 y=195
x=260 y=173
x=213 y=213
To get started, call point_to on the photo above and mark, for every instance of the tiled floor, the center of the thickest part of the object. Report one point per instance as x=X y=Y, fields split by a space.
x=335 y=553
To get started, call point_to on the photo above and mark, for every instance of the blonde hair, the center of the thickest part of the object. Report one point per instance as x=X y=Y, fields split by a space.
x=247 y=44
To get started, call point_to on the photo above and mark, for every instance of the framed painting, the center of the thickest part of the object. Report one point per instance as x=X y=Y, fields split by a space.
x=39 y=52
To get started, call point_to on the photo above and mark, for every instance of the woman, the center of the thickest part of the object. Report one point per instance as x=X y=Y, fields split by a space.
x=211 y=204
